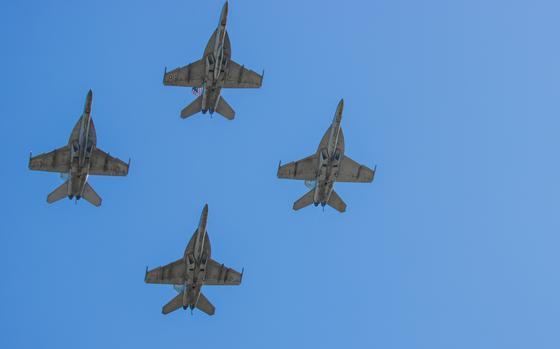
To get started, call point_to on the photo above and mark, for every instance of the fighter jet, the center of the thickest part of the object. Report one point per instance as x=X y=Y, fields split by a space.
x=326 y=166
x=77 y=160
x=195 y=269
x=213 y=72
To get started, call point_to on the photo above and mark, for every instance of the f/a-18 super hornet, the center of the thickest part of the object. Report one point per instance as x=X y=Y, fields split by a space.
x=195 y=269
x=326 y=166
x=213 y=72
x=77 y=160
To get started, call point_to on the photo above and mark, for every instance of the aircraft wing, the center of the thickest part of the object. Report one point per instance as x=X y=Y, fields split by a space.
x=172 y=274
x=56 y=161
x=351 y=171
x=240 y=77
x=304 y=169
x=103 y=164
x=218 y=274
x=191 y=75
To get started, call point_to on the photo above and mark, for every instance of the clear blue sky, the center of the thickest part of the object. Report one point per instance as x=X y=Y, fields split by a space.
x=455 y=244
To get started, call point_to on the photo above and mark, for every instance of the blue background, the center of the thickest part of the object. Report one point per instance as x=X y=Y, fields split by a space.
x=455 y=244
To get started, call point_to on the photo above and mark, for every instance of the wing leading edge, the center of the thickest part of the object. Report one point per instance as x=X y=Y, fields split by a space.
x=55 y=161
x=240 y=77
x=170 y=274
x=103 y=164
x=218 y=274
x=191 y=75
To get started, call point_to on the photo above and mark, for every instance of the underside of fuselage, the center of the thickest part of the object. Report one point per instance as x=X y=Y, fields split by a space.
x=211 y=98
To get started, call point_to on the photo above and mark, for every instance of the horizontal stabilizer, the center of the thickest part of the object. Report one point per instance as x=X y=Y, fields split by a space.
x=193 y=108
x=173 y=304
x=224 y=109
x=59 y=193
x=204 y=305
x=336 y=202
x=91 y=196
x=305 y=200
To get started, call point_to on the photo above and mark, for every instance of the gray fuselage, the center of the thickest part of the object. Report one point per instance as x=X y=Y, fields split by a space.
x=216 y=55
x=196 y=256
x=82 y=142
x=329 y=154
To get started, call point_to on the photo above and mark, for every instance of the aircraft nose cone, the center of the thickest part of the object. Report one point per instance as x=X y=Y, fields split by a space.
x=223 y=16
x=87 y=107
x=339 y=109
x=204 y=216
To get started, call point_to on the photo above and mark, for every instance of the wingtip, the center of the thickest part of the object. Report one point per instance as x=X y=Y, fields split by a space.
x=278 y=170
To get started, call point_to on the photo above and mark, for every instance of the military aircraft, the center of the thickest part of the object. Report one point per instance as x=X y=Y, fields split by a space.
x=326 y=166
x=213 y=72
x=77 y=160
x=195 y=269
